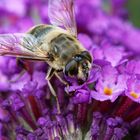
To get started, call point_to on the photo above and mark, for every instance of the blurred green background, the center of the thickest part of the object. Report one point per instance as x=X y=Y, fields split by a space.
x=133 y=7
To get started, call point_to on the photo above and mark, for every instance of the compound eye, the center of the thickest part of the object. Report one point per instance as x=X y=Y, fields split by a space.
x=84 y=65
x=87 y=56
x=71 y=68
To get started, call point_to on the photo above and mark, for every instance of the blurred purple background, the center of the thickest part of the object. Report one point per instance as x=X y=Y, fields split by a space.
x=106 y=28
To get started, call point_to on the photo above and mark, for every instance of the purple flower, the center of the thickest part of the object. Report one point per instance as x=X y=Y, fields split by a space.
x=85 y=40
x=100 y=25
x=113 y=54
x=118 y=8
x=110 y=85
x=4 y=85
x=132 y=67
x=4 y=116
x=17 y=81
x=132 y=34
x=39 y=77
x=81 y=96
x=133 y=91
x=18 y=7
x=105 y=107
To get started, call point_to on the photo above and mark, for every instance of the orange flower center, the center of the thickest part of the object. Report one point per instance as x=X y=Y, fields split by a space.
x=108 y=91
x=134 y=95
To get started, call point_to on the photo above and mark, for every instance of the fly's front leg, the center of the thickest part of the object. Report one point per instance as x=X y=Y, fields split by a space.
x=18 y=77
x=50 y=74
x=62 y=80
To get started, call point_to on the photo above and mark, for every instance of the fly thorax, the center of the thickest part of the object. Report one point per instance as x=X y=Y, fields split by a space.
x=64 y=47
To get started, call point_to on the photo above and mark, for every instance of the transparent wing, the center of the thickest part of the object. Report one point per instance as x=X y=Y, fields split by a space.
x=21 y=45
x=61 y=13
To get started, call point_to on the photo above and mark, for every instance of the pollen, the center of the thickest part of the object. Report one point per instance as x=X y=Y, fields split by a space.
x=134 y=95
x=108 y=91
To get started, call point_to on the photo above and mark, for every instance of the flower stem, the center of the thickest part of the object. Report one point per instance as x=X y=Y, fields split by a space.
x=82 y=113
x=124 y=107
x=134 y=114
x=28 y=119
x=34 y=107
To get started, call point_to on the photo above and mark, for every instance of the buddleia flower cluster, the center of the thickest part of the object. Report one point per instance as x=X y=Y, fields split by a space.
x=106 y=107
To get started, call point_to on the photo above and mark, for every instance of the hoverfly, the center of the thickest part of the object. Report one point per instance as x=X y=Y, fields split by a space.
x=56 y=44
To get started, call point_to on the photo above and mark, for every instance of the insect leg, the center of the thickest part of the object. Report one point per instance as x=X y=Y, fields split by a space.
x=48 y=77
x=18 y=77
x=62 y=80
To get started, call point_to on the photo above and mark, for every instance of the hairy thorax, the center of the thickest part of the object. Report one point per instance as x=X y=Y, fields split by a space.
x=57 y=43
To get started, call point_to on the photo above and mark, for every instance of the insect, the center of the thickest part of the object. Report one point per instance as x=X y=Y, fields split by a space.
x=56 y=44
